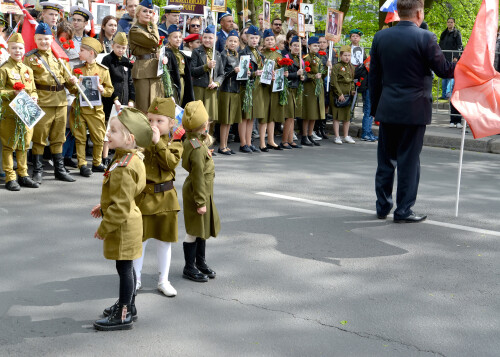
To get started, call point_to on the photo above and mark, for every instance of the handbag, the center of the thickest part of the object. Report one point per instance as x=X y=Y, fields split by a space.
x=345 y=103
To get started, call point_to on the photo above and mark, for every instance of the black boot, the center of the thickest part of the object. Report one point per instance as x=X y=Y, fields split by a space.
x=26 y=181
x=37 y=161
x=305 y=141
x=190 y=271
x=13 y=186
x=59 y=171
x=314 y=142
x=109 y=310
x=201 y=263
x=322 y=129
x=120 y=319
x=70 y=162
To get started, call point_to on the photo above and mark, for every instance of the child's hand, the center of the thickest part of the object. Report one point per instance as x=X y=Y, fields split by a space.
x=100 y=88
x=342 y=98
x=286 y=73
x=156 y=135
x=131 y=104
x=318 y=75
x=96 y=211
x=165 y=60
x=328 y=63
x=73 y=80
x=96 y=235
x=300 y=72
x=213 y=85
x=211 y=64
x=202 y=210
x=35 y=99
x=258 y=72
x=236 y=69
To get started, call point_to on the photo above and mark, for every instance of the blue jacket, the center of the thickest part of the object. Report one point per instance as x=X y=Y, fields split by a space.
x=221 y=41
x=125 y=24
x=400 y=79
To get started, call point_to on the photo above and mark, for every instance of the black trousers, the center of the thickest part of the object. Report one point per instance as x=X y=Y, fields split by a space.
x=125 y=269
x=399 y=146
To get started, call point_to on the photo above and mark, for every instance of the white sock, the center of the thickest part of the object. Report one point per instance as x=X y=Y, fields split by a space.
x=139 y=261
x=189 y=238
x=164 y=254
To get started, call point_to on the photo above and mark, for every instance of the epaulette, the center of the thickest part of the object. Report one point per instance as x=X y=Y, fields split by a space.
x=101 y=65
x=195 y=143
x=125 y=160
x=32 y=52
x=81 y=65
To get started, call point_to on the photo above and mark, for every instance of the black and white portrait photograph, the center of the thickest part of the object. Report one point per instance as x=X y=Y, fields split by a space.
x=357 y=55
x=267 y=15
x=292 y=8
x=244 y=66
x=301 y=27
x=159 y=71
x=279 y=80
x=89 y=86
x=26 y=109
x=267 y=72
x=308 y=11
x=100 y=11
x=219 y=6
x=81 y=3
x=208 y=19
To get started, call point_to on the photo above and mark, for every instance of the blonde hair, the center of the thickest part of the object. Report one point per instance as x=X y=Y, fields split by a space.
x=209 y=140
x=124 y=131
x=280 y=39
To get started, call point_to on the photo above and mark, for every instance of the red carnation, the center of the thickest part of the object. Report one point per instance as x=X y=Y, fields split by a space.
x=65 y=46
x=77 y=71
x=250 y=66
x=361 y=78
x=322 y=53
x=162 y=37
x=358 y=84
x=307 y=63
x=18 y=86
x=62 y=39
x=273 y=49
x=71 y=44
x=2 y=46
x=308 y=69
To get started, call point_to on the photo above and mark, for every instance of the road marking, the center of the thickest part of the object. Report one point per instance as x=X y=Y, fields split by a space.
x=367 y=211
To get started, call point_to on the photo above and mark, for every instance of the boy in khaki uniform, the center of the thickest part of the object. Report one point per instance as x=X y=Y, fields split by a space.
x=13 y=132
x=82 y=117
x=50 y=81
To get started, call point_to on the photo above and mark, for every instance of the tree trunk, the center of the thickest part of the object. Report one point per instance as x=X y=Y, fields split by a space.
x=344 y=6
x=253 y=17
x=381 y=15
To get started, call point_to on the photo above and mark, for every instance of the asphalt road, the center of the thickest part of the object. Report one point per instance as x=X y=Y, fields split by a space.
x=310 y=272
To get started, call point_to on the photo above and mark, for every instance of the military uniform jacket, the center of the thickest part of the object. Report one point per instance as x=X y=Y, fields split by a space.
x=95 y=69
x=144 y=40
x=200 y=70
x=293 y=77
x=229 y=63
x=43 y=77
x=121 y=225
x=198 y=188
x=12 y=72
x=120 y=72
x=160 y=161
x=315 y=64
x=342 y=78
x=173 y=69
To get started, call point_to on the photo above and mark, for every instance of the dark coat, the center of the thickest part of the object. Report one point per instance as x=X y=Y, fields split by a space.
x=248 y=52
x=293 y=77
x=176 y=78
x=451 y=40
x=221 y=41
x=230 y=84
x=200 y=71
x=120 y=71
x=402 y=60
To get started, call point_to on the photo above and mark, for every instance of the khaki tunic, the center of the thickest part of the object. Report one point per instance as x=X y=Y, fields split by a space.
x=275 y=112
x=144 y=40
x=313 y=107
x=159 y=210
x=260 y=99
x=121 y=225
x=93 y=119
x=12 y=72
x=198 y=189
x=342 y=82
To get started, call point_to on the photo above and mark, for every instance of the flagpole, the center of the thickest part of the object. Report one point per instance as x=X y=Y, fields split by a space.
x=215 y=43
x=330 y=57
x=184 y=26
x=460 y=167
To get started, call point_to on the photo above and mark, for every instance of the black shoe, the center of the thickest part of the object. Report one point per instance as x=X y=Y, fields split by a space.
x=26 y=181
x=295 y=146
x=118 y=320
x=224 y=152
x=245 y=149
x=85 y=171
x=37 y=161
x=264 y=149
x=285 y=146
x=277 y=147
x=99 y=168
x=315 y=143
x=412 y=218
x=59 y=170
x=231 y=151
x=109 y=310
x=381 y=216
x=305 y=141
x=190 y=271
x=70 y=162
x=201 y=263
x=12 y=186
x=254 y=148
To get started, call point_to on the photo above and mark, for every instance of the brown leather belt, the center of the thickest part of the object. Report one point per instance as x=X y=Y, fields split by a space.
x=54 y=88
x=159 y=187
x=146 y=57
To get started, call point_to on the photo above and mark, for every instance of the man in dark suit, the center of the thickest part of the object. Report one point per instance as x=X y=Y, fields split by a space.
x=400 y=81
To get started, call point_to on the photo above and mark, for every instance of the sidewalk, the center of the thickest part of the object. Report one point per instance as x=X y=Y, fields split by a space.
x=438 y=133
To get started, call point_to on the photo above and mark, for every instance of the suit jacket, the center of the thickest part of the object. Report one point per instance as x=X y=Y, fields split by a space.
x=400 y=78
x=200 y=70
x=176 y=77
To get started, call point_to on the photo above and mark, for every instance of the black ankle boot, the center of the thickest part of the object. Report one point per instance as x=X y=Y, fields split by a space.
x=59 y=170
x=109 y=310
x=314 y=142
x=322 y=129
x=37 y=161
x=190 y=272
x=201 y=263
x=119 y=319
x=26 y=181
x=305 y=141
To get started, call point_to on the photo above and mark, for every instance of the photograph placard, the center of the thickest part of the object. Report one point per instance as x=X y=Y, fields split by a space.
x=292 y=8
x=279 y=80
x=100 y=11
x=267 y=72
x=159 y=71
x=89 y=86
x=266 y=24
x=357 y=53
x=334 y=25
x=26 y=109
x=244 y=66
x=301 y=26
x=308 y=11
x=219 y=6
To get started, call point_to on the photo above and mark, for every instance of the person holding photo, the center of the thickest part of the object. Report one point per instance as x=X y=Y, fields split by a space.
x=15 y=77
x=83 y=117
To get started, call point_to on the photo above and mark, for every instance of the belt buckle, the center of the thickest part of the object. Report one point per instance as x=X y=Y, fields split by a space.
x=55 y=88
x=158 y=188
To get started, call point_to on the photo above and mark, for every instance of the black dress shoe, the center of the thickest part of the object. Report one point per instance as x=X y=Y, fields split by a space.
x=99 y=168
x=412 y=218
x=231 y=151
x=277 y=147
x=12 y=186
x=26 y=181
x=245 y=149
x=264 y=149
x=305 y=141
x=70 y=162
x=295 y=146
x=85 y=171
x=285 y=146
x=106 y=161
x=381 y=216
x=109 y=310
x=254 y=148
x=224 y=152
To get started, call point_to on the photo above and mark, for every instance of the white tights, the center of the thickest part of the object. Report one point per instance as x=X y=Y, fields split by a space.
x=164 y=255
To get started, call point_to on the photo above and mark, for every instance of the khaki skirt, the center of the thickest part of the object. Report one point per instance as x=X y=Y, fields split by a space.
x=209 y=99
x=293 y=109
x=259 y=99
x=313 y=107
x=162 y=226
x=229 y=108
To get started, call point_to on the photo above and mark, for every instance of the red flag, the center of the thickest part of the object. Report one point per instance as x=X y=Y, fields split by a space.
x=279 y=1
x=391 y=17
x=476 y=94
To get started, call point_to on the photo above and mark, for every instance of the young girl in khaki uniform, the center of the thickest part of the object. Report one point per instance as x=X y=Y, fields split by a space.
x=121 y=226
x=158 y=202
x=200 y=214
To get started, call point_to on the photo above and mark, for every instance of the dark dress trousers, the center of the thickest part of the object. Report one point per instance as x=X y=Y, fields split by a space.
x=400 y=83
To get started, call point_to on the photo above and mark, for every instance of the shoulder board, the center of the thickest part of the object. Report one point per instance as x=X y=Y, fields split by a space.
x=32 y=52
x=125 y=160
x=81 y=65
x=195 y=143
x=101 y=65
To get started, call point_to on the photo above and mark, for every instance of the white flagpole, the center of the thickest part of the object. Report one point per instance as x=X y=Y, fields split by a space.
x=460 y=167
x=330 y=54
x=215 y=43
x=184 y=26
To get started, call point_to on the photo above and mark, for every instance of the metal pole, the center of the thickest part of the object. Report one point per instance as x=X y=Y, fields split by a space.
x=330 y=57
x=460 y=168
x=213 y=52
x=184 y=26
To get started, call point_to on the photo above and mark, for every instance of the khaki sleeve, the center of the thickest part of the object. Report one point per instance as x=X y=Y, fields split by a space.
x=197 y=160
x=335 y=81
x=168 y=156
x=143 y=38
x=8 y=93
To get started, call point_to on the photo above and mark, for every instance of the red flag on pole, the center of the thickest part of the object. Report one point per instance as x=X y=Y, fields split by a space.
x=476 y=94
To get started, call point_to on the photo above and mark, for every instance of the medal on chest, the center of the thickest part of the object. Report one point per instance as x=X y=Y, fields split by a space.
x=16 y=75
x=343 y=69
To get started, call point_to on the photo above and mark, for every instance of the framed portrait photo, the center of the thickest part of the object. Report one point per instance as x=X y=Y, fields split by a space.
x=89 y=87
x=159 y=70
x=100 y=11
x=279 y=80
x=292 y=8
x=209 y=17
x=81 y=3
x=267 y=72
x=244 y=66
x=357 y=53
x=334 y=20
x=266 y=11
x=301 y=26
x=219 y=6
x=26 y=109
x=308 y=11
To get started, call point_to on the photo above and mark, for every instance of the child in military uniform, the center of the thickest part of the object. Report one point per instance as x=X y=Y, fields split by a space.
x=158 y=202
x=121 y=226
x=342 y=85
x=15 y=136
x=200 y=214
x=83 y=117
